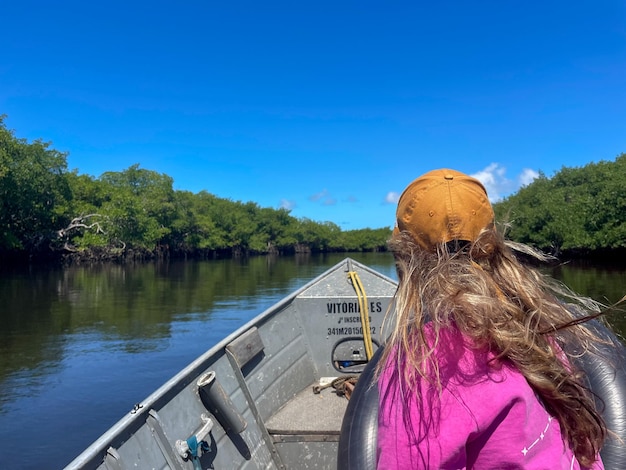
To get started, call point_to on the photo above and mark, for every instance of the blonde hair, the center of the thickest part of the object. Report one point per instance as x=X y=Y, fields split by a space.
x=503 y=306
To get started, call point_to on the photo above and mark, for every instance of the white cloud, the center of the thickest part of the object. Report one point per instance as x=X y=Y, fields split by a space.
x=494 y=180
x=493 y=177
x=324 y=197
x=527 y=176
x=287 y=204
x=317 y=196
x=392 y=197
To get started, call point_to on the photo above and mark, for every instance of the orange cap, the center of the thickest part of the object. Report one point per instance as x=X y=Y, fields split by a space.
x=443 y=205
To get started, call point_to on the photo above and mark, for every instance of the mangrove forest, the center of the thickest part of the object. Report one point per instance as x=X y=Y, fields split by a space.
x=49 y=212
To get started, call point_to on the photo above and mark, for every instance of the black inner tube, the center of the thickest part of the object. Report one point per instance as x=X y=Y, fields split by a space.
x=606 y=375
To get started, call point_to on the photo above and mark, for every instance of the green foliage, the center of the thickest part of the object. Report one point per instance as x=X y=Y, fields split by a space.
x=33 y=191
x=365 y=239
x=578 y=209
x=44 y=205
x=140 y=207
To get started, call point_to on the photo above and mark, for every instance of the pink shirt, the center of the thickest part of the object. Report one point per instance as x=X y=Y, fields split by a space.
x=486 y=418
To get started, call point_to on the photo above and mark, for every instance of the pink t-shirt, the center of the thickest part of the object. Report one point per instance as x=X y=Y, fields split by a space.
x=487 y=417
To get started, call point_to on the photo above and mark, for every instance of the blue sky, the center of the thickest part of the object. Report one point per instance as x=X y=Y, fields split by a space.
x=327 y=108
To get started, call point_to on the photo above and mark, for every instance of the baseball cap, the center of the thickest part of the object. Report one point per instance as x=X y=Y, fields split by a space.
x=443 y=205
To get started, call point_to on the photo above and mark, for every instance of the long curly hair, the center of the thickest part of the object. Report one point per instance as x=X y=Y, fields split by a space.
x=506 y=307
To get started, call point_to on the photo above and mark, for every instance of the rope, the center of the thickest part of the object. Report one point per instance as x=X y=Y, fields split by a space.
x=344 y=385
x=340 y=384
x=365 y=317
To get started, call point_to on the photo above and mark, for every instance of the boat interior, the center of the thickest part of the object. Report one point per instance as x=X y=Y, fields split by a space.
x=270 y=395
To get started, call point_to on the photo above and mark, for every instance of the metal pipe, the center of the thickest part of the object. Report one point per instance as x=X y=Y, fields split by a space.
x=219 y=404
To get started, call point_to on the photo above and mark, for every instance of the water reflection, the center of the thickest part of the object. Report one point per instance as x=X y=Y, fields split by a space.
x=605 y=283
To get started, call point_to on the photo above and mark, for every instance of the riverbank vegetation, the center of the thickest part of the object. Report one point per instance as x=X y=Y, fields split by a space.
x=50 y=212
x=47 y=211
x=575 y=213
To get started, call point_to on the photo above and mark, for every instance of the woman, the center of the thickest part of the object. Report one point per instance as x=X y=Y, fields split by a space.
x=476 y=371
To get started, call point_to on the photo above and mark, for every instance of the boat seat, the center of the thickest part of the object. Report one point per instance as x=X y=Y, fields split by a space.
x=309 y=416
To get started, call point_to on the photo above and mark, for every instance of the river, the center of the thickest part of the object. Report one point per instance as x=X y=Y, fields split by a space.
x=80 y=346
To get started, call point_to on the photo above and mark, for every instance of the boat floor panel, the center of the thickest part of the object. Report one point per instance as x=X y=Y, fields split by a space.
x=310 y=413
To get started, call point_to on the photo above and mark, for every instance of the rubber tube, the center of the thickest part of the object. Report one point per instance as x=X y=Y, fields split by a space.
x=606 y=378
x=359 y=429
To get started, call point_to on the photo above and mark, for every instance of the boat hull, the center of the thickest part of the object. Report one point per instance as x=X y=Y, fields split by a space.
x=260 y=409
